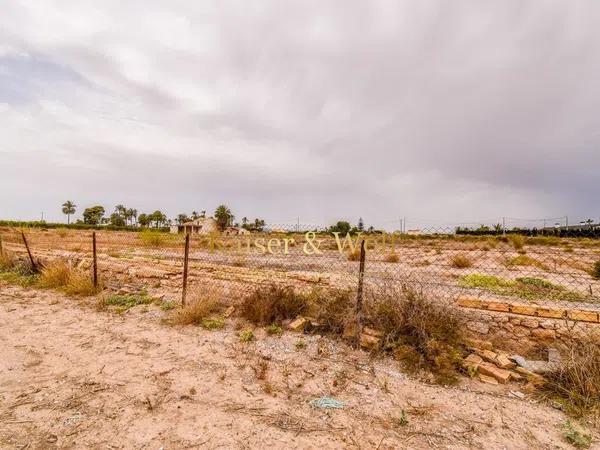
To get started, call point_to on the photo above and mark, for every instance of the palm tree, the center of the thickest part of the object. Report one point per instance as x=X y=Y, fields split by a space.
x=223 y=216
x=195 y=215
x=68 y=208
x=121 y=211
x=203 y=214
x=134 y=214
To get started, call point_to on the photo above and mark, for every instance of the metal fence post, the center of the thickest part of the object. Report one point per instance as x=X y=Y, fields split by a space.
x=94 y=260
x=185 y=268
x=34 y=266
x=359 y=292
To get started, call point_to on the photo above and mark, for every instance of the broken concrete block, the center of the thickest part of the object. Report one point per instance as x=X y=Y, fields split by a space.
x=487 y=379
x=369 y=342
x=503 y=362
x=373 y=332
x=229 y=311
x=488 y=355
x=474 y=358
x=299 y=324
x=491 y=370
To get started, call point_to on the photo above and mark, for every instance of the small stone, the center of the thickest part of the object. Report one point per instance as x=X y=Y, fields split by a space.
x=229 y=311
x=517 y=394
x=369 y=342
x=299 y=324
x=487 y=379
x=491 y=370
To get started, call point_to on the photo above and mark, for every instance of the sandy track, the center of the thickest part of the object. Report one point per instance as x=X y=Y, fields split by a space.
x=72 y=377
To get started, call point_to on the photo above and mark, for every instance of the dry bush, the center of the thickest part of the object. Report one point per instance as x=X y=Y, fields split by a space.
x=60 y=275
x=461 y=261
x=7 y=261
x=81 y=284
x=576 y=382
x=195 y=312
x=517 y=241
x=332 y=309
x=57 y=275
x=595 y=272
x=354 y=255
x=423 y=333
x=391 y=258
x=272 y=304
x=155 y=238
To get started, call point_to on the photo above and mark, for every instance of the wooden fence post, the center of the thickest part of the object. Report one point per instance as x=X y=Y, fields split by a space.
x=185 y=268
x=1 y=248
x=34 y=266
x=94 y=260
x=359 y=293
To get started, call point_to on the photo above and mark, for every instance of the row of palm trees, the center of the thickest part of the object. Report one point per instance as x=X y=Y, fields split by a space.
x=123 y=216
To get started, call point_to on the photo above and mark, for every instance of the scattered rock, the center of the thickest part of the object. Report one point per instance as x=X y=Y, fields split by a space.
x=487 y=379
x=369 y=342
x=299 y=324
x=491 y=370
x=517 y=394
x=229 y=311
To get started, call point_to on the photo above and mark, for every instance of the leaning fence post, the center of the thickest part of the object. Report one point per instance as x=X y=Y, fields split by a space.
x=34 y=266
x=359 y=292
x=185 y=268
x=94 y=260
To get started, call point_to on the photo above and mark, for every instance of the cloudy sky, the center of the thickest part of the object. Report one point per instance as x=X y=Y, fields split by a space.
x=438 y=111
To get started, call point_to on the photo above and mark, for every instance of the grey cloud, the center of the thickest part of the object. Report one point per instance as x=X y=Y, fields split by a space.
x=459 y=110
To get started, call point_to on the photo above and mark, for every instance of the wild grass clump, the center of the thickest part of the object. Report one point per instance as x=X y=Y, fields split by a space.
x=332 y=309
x=8 y=262
x=595 y=272
x=272 y=304
x=576 y=381
x=391 y=258
x=125 y=302
x=57 y=275
x=517 y=241
x=524 y=260
x=152 y=238
x=198 y=311
x=461 y=262
x=423 y=333
x=529 y=288
x=354 y=255
x=60 y=275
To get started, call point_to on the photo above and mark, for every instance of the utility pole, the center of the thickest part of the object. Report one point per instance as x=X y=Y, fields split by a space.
x=504 y=226
x=567 y=221
x=298 y=224
x=404 y=224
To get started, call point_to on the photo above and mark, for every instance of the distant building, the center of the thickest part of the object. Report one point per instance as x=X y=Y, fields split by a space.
x=202 y=225
x=414 y=232
x=235 y=231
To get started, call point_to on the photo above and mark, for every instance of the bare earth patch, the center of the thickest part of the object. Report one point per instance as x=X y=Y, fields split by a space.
x=73 y=377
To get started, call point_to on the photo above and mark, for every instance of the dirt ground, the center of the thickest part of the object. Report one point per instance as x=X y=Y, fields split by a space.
x=74 y=377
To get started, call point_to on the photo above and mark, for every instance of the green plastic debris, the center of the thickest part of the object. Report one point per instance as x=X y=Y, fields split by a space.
x=327 y=402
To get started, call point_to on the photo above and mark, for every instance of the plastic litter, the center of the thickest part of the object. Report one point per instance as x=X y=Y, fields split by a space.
x=327 y=402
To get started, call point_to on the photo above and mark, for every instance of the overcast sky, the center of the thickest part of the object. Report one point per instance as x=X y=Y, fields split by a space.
x=441 y=111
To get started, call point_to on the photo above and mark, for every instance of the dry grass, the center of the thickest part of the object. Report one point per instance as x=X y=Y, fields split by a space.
x=391 y=258
x=595 y=272
x=7 y=261
x=461 y=262
x=354 y=255
x=517 y=241
x=576 y=383
x=272 y=304
x=196 y=312
x=333 y=309
x=423 y=333
x=524 y=260
x=60 y=275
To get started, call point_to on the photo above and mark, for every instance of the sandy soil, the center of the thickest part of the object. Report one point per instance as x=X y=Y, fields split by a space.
x=73 y=377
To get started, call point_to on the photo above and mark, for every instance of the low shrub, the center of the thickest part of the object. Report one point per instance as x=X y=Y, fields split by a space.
x=576 y=382
x=60 y=275
x=461 y=261
x=246 y=336
x=7 y=261
x=524 y=260
x=354 y=255
x=272 y=304
x=152 y=238
x=422 y=333
x=196 y=312
x=391 y=258
x=596 y=270
x=517 y=241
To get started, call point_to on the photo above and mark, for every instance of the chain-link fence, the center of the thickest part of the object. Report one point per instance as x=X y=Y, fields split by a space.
x=509 y=285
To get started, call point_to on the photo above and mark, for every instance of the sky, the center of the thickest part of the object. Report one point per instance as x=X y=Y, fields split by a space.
x=441 y=112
